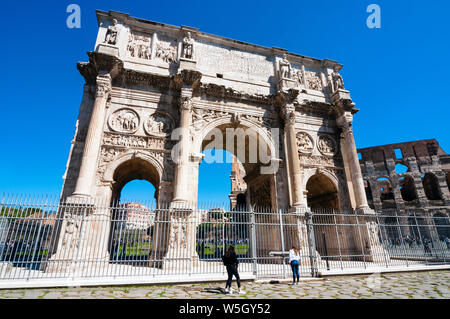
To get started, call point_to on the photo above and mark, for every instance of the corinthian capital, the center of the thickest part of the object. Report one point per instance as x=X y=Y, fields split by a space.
x=345 y=122
x=103 y=86
x=288 y=116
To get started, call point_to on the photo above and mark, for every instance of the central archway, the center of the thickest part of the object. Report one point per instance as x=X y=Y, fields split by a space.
x=252 y=147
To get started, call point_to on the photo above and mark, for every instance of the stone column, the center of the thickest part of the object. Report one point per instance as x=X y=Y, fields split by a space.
x=294 y=173
x=181 y=193
x=375 y=194
x=398 y=198
x=345 y=123
x=93 y=138
x=443 y=187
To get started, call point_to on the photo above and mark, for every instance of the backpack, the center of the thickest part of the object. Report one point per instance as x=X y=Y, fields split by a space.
x=224 y=260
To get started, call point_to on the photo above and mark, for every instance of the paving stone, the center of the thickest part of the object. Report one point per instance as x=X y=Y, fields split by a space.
x=398 y=286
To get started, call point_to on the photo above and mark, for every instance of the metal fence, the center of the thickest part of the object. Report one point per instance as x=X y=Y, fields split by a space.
x=47 y=238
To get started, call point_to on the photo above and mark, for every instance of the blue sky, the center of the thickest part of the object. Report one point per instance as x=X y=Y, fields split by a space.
x=397 y=75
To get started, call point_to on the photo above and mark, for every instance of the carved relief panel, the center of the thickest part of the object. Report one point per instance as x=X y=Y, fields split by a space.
x=159 y=124
x=297 y=74
x=124 y=121
x=305 y=143
x=71 y=239
x=313 y=81
x=166 y=49
x=326 y=145
x=178 y=234
x=125 y=141
x=107 y=155
x=139 y=45
x=317 y=161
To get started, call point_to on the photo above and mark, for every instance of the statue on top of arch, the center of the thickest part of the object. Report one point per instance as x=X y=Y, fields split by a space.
x=338 y=82
x=111 y=33
x=285 y=67
x=188 y=47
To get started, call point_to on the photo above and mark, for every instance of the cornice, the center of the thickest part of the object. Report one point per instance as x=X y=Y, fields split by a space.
x=131 y=77
x=102 y=63
x=99 y=63
x=222 y=92
x=314 y=107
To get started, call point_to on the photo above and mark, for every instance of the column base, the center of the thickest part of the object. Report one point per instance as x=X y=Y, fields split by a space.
x=180 y=204
x=69 y=266
x=365 y=210
x=81 y=199
x=179 y=264
x=5 y=269
x=299 y=209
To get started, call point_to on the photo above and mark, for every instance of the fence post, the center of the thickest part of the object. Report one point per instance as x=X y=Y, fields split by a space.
x=253 y=241
x=360 y=237
x=311 y=243
x=422 y=241
x=380 y=236
x=401 y=235
x=35 y=243
x=4 y=231
x=282 y=244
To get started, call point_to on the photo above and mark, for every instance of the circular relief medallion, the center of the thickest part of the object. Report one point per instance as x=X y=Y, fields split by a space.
x=158 y=124
x=124 y=121
x=326 y=145
x=305 y=143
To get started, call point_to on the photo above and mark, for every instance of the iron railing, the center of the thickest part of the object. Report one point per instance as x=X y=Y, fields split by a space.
x=48 y=238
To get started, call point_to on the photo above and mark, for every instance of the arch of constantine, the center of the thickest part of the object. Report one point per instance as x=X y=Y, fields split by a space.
x=156 y=96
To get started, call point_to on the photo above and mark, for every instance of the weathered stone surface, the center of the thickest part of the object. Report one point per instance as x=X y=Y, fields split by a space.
x=145 y=80
x=409 y=181
x=421 y=285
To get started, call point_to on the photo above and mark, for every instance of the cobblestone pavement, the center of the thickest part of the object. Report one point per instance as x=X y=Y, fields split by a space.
x=386 y=286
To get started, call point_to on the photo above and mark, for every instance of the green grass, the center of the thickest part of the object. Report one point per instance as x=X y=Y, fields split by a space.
x=210 y=249
x=139 y=249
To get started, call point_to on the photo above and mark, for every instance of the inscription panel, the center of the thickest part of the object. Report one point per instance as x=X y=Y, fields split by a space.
x=234 y=62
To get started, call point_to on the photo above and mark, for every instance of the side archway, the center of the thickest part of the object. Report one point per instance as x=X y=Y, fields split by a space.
x=323 y=199
x=131 y=166
x=131 y=222
x=135 y=168
x=322 y=192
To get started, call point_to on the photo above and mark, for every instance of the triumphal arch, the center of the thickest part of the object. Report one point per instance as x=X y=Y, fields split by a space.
x=156 y=96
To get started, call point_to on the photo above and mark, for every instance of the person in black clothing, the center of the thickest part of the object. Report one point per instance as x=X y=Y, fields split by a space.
x=231 y=262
